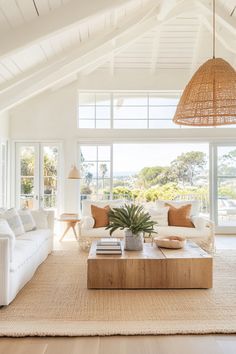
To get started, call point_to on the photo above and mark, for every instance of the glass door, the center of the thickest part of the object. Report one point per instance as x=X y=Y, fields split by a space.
x=49 y=176
x=225 y=187
x=37 y=175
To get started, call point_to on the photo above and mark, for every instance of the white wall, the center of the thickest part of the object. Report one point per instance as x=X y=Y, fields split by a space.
x=4 y=125
x=49 y=117
x=52 y=116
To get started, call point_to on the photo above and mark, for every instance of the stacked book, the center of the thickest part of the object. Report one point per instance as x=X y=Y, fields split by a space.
x=108 y=246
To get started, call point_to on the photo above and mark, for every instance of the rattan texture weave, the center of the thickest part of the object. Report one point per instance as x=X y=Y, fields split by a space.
x=57 y=302
x=209 y=99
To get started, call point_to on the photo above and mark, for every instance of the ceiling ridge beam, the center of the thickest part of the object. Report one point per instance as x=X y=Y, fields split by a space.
x=93 y=51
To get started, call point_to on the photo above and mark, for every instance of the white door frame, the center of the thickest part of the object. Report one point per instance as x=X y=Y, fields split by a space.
x=40 y=144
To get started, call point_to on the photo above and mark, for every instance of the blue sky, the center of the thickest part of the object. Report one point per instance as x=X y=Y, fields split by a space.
x=133 y=157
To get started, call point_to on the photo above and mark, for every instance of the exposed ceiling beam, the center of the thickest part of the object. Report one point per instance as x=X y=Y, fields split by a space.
x=55 y=22
x=222 y=36
x=155 y=50
x=222 y=17
x=197 y=48
x=90 y=53
x=178 y=9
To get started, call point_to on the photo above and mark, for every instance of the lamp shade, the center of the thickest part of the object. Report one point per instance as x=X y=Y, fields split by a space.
x=209 y=99
x=74 y=173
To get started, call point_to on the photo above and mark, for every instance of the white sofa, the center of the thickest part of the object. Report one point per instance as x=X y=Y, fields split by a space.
x=86 y=229
x=203 y=233
x=19 y=260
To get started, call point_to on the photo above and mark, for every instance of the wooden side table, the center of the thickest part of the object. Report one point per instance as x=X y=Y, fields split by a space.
x=71 y=220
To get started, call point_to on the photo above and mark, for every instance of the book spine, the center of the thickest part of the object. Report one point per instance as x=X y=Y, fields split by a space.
x=108 y=248
x=108 y=252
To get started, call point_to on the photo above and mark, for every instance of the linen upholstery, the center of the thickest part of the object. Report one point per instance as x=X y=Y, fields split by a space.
x=29 y=251
x=14 y=221
x=6 y=231
x=27 y=219
x=159 y=215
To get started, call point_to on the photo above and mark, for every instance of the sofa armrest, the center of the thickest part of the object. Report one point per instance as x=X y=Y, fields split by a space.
x=11 y=243
x=4 y=269
x=87 y=222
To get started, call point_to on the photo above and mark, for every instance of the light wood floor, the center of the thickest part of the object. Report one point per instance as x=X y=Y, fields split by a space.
x=206 y=344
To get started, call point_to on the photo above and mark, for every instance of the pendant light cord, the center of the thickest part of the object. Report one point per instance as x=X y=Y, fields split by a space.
x=214 y=28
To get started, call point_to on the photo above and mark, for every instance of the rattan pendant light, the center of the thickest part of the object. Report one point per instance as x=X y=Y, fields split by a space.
x=209 y=99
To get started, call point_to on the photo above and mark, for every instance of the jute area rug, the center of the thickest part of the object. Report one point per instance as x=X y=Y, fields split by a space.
x=56 y=302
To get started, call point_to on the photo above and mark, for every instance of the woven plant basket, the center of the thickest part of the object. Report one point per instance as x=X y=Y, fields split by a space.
x=133 y=242
x=209 y=99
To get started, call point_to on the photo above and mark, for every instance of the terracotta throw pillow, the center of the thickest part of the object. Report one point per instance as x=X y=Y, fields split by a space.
x=100 y=215
x=179 y=216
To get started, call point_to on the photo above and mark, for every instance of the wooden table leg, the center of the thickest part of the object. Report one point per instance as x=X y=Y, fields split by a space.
x=75 y=233
x=66 y=230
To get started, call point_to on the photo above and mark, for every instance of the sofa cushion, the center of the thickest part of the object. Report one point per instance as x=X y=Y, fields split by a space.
x=40 y=217
x=14 y=221
x=37 y=236
x=27 y=219
x=86 y=205
x=101 y=232
x=159 y=215
x=27 y=245
x=187 y=232
x=177 y=203
x=23 y=250
x=179 y=216
x=100 y=215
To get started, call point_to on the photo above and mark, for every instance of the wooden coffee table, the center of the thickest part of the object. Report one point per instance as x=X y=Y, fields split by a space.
x=152 y=268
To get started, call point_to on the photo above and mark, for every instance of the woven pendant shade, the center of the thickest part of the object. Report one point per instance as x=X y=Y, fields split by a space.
x=209 y=99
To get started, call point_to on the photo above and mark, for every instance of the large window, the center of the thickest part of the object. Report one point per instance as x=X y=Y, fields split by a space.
x=95 y=163
x=226 y=185
x=146 y=172
x=127 y=110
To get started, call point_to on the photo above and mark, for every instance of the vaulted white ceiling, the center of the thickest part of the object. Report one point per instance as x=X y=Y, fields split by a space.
x=45 y=41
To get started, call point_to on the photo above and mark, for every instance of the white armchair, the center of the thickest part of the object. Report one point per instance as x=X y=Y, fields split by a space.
x=203 y=232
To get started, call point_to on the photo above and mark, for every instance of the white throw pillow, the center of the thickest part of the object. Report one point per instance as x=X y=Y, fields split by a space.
x=27 y=219
x=160 y=215
x=5 y=230
x=87 y=222
x=40 y=217
x=199 y=222
x=14 y=221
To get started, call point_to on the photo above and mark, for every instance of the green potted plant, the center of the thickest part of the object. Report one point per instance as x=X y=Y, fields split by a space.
x=135 y=221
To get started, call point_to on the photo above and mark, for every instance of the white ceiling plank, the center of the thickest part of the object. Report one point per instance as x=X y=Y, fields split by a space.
x=27 y=9
x=42 y=7
x=54 y=4
x=173 y=14
x=230 y=45
x=4 y=23
x=12 y=13
x=155 y=50
x=54 y=22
